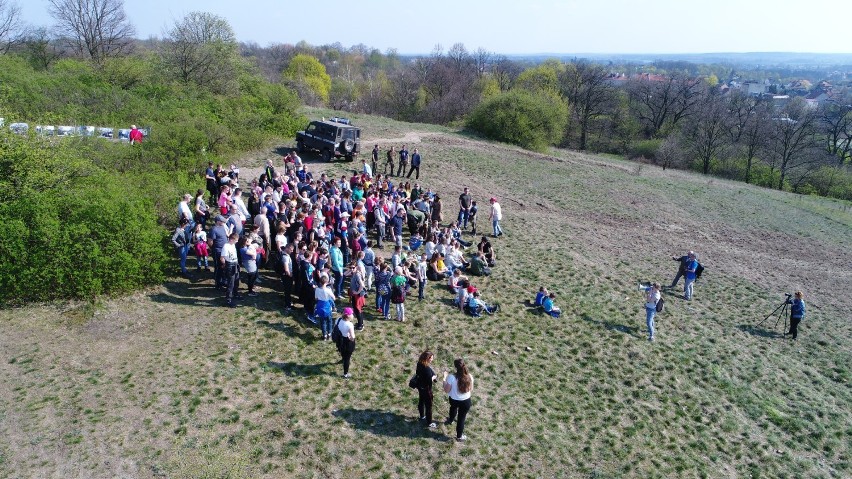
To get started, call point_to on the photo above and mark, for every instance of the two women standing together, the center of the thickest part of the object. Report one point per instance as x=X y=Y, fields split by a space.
x=458 y=386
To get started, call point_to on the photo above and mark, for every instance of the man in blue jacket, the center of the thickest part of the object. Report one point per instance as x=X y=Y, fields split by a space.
x=415 y=164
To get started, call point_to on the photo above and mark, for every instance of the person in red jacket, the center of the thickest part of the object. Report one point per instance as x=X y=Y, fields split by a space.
x=135 y=135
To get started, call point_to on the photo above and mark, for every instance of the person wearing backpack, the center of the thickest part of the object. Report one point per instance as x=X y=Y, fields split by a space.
x=398 y=293
x=425 y=378
x=652 y=298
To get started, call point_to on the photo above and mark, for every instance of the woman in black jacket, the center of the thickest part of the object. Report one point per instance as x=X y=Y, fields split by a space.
x=425 y=377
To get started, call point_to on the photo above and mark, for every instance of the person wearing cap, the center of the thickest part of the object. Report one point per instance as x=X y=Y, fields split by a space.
x=346 y=345
x=495 y=216
x=218 y=238
x=690 y=274
x=135 y=135
x=681 y=270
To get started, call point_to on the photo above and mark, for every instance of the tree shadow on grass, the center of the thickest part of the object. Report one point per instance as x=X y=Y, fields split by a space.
x=610 y=325
x=300 y=331
x=190 y=293
x=389 y=424
x=302 y=370
x=759 y=331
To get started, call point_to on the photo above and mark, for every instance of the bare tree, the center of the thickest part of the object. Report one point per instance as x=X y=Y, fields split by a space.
x=706 y=131
x=836 y=125
x=505 y=71
x=481 y=58
x=11 y=25
x=749 y=128
x=792 y=139
x=660 y=103
x=202 y=49
x=589 y=93
x=97 y=29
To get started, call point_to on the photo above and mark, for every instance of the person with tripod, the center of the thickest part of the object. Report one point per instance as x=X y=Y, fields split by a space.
x=797 y=313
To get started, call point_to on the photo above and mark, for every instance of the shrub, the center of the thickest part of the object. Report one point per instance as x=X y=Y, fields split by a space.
x=645 y=149
x=530 y=120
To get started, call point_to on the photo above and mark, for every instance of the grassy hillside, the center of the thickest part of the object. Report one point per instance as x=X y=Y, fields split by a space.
x=170 y=384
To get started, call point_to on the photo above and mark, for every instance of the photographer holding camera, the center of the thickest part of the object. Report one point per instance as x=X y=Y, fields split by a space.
x=797 y=312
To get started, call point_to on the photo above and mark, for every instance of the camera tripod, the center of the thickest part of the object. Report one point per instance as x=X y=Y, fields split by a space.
x=782 y=310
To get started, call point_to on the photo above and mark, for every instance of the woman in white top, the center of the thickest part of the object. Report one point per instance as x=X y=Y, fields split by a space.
x=652 y=297
x=346 y=346
x=459 y=386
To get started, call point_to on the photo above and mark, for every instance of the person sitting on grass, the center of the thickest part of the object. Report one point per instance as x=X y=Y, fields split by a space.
x=539 y=297
x=476 y=306
x=465 y=292
x=549 y=307
x=479 y=266
x=456 y=281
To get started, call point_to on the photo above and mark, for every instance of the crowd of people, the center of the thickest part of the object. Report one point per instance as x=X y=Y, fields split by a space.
x=333 y=242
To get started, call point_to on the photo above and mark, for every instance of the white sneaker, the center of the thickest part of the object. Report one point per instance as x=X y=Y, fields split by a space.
x=347 y=375
x=462 y=438
x=433 y=425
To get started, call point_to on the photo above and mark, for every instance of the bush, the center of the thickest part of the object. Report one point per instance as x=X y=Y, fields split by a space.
x=531 y=120
x=829 y=181
x=71 y=229
x=645 y=149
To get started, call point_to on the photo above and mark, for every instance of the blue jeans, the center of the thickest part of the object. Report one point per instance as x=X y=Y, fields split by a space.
x=649 y=320
x=464 y=215
x=325 y=323
x=384 y=304
x=687 y=288
x=183 y=251
x=495 y=224
x=338 y=283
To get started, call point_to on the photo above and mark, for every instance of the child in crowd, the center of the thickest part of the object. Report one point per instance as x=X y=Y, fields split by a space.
x=199 y=239
x=539 y=297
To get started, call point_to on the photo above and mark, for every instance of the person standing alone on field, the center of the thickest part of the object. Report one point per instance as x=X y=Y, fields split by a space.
x=797 y=313
x=495 y=217
x=652 y=297
x=346 y=345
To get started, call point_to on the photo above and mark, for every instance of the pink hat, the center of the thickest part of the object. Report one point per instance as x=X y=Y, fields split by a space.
x=348 y=311
x=493 y=199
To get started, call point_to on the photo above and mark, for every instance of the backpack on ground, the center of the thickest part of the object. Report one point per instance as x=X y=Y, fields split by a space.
x=660 y=305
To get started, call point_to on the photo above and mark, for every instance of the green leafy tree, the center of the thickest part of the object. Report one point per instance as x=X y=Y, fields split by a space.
x=531 y=120
x=308 y=77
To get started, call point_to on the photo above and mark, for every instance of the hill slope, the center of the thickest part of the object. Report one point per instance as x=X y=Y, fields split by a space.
x=169 y=384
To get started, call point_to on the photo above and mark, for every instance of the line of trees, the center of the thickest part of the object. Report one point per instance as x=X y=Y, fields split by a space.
x=675 y=114
x=672 y=113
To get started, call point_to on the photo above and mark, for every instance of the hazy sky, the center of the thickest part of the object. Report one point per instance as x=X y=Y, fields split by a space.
x=517 y=26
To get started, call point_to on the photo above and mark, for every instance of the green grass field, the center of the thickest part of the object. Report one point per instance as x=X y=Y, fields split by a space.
x=167 y=383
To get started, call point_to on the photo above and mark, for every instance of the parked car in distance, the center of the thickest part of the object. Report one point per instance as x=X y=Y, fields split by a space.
x=333 y=138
